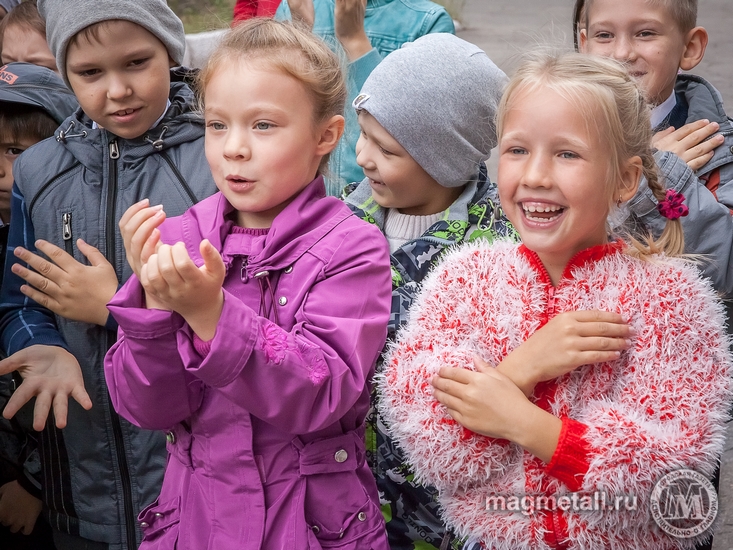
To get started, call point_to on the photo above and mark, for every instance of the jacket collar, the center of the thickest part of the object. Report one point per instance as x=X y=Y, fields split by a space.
x=582 y=258
x=301 y=224
x=362 y=203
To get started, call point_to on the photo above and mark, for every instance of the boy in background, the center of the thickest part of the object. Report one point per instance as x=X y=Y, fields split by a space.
x=136 y=137
x=363 y=32
x=657 y=40
x=23 y=37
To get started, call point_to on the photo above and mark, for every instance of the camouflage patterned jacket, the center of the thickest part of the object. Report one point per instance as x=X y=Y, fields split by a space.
x=411 y=510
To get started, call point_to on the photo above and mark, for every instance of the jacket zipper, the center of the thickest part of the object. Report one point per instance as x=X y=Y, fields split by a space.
x=66 y=233
x=130 y=523
x=180 y=177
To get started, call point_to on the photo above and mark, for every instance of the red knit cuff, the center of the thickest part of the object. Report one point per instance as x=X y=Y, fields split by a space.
x=203 y=348
x=570 y=462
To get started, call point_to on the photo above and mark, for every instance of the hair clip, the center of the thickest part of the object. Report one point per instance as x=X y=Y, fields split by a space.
x=672 y=207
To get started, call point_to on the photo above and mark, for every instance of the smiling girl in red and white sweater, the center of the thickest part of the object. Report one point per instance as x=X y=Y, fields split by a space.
x=487 y=405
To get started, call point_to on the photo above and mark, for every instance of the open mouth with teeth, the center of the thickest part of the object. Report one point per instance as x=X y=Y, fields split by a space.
x=124 y=112
x=544 y=213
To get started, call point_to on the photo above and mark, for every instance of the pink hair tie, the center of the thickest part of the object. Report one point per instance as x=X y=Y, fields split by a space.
x=672 y=207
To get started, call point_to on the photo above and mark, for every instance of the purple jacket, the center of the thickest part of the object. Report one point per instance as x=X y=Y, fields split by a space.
x=266 y=421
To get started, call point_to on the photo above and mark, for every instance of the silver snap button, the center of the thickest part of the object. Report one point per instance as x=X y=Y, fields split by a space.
x=341 y=534
x=158 y=515
x=341 y=456
x=282 y=300
x=170 y=437
x=316 y=529
x=144 y=524
x=361 y=516
x=288 y=269
x=731 y=148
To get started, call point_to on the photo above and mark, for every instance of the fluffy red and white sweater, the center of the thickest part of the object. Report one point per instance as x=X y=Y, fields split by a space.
x=660 y=407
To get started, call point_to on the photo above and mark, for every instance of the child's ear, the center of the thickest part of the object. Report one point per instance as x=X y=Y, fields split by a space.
x=331 y=132
x=583 y=41
x=630 y=177
x=696 y=41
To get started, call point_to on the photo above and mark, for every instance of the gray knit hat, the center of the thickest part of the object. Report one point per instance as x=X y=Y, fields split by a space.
x=65 y=18
x=437 y=96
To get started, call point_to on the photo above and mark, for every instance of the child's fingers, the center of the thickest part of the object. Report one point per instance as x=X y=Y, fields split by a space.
x=459 y=375
x=39 y=264
x=60 y=409
x=212 y=260
x=132 y=210
x=183 y=264
x=594 y=315
x=167 y=272
x=699 y=162
x=91 y=253
x=151 y=245
x=137 y=229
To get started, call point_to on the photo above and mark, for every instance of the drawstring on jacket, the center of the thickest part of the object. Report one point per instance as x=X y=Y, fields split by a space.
x=64 y=134
x=158 y=143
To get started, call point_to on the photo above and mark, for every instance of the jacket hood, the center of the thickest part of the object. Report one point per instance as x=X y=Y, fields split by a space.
x=293 y=232
x=180 y=123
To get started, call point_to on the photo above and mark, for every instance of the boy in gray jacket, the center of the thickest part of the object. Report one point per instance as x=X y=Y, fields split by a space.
x=136 y=137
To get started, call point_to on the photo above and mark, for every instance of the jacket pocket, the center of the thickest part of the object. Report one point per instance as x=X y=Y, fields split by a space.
x=337 y=506
x=159 y=523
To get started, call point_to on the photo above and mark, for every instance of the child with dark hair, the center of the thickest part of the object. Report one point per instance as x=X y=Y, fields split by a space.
x=33 y=102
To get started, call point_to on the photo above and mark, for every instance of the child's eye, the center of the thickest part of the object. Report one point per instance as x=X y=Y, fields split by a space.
x=263 y=125
x=88 y=73
x=603 y=35
x=516 y=151
x=385 y=152
x=14 y=151
x=138 y=62
x=215 y=125
x=646 y=34
x=569 y=155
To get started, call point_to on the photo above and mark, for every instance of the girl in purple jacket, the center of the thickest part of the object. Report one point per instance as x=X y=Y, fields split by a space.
x=251 y=327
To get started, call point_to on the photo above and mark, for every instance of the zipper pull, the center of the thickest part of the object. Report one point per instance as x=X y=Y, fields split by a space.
x=114 y=151
x=243 y=270
x=551 y=301
x=66 y=226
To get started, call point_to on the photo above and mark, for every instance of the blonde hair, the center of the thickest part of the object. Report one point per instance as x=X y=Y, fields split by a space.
x=614 y=107
x=684 y=12
x=292 y=50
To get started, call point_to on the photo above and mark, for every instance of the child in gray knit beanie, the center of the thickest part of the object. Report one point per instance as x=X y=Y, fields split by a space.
x=65 y=19
x=427 y=118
